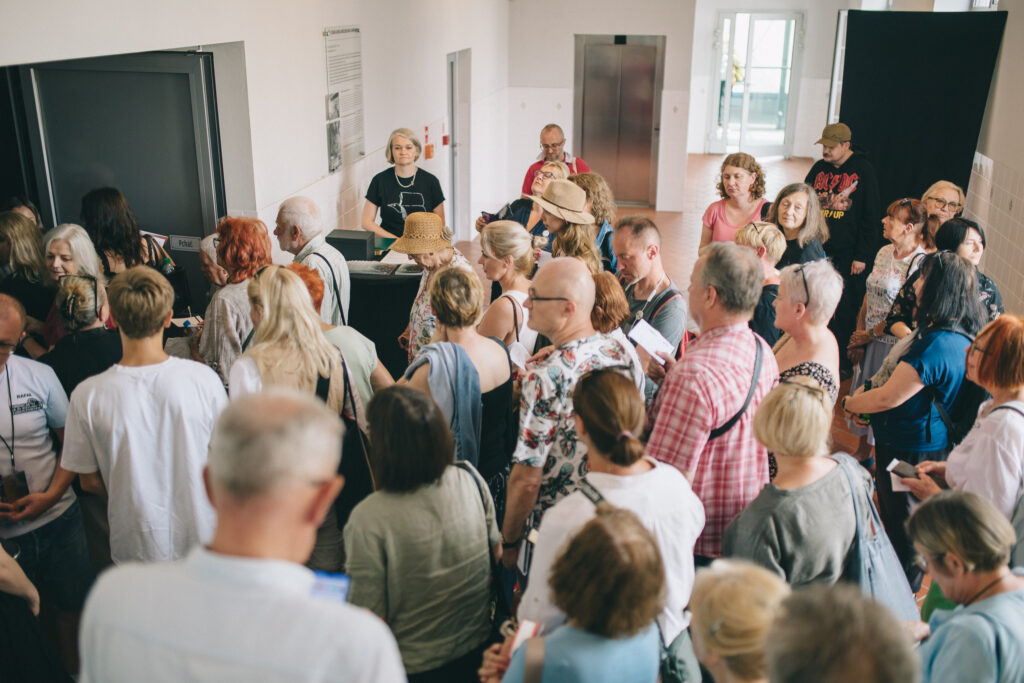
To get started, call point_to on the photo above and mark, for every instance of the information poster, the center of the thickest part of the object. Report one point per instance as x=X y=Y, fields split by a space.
x=344 y=99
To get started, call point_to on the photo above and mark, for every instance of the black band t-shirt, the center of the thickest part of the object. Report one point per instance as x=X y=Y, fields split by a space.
x=397 y=197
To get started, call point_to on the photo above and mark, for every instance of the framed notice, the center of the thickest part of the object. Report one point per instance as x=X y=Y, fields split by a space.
x=343 y=104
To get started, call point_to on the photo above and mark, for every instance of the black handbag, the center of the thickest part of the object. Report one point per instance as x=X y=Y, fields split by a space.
x=355 y=452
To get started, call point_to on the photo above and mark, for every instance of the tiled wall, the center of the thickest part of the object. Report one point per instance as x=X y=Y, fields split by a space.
x=995 y=199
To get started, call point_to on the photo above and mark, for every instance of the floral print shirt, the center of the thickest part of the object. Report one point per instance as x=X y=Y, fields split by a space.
x=886 y=279
x=422 y=321
x=906 y=301
x=547 y=434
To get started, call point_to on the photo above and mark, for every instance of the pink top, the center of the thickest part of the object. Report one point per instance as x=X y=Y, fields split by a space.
x=721 y=229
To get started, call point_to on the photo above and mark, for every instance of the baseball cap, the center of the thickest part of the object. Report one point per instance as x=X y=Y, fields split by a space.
x=834 y=133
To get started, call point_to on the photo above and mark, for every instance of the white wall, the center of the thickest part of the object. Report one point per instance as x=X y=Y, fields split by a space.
x=811 y=90
x=541 y=70
x=281 y=58
x=995 y=196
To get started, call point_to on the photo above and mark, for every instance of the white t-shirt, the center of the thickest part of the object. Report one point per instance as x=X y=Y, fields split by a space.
x=244 y=378
x=213 y=617
x=667 y=506
x=147 y=431
x=38 y=404
x=990 y=459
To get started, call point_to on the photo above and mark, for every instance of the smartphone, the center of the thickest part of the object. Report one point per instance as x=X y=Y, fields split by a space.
x=15 y=486
x=903 y=469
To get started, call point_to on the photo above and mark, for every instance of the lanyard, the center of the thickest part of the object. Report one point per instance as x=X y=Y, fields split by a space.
x=10 y=405
x=640 y=313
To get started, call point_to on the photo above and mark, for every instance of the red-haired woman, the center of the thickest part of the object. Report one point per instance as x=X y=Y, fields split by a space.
x=741 y=185
x=990 y=459
x=244 y=248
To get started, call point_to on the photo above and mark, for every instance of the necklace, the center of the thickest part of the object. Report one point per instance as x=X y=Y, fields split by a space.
x=411 y=182
x=640 y=313
x=983 y=590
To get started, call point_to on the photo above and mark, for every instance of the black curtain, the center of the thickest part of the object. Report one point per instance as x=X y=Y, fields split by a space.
x=915 y=86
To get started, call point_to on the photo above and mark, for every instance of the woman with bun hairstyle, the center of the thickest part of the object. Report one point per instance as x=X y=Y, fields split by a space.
x=89 y=347
x=734 y=604
x=609 y=419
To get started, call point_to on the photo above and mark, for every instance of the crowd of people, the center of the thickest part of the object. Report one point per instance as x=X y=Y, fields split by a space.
x=584 y=473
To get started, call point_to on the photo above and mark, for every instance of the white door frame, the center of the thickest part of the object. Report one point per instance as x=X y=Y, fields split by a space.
x=713 y=146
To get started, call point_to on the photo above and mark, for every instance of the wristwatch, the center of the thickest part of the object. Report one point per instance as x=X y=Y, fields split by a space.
x=508 y=545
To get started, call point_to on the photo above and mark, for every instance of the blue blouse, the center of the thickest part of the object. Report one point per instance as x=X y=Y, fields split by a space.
x=575 y=656
x=940 y=358
x=981 y=643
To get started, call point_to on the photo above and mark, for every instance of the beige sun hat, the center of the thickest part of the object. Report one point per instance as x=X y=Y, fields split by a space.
x=424 y=234
x=565 y=199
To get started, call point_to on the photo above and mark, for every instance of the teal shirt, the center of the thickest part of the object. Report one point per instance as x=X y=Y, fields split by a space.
x=981 y=643
x=575 y=656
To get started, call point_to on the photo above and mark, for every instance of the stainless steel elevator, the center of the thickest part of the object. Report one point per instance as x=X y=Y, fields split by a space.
x=617 y=111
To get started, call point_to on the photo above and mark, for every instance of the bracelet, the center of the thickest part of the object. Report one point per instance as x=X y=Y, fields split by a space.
x=508 y=545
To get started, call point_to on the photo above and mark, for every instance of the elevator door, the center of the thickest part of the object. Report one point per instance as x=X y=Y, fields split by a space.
x=618 y=93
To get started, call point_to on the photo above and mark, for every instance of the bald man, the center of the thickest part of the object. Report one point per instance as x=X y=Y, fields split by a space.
x=547 y=463
x=299 y=231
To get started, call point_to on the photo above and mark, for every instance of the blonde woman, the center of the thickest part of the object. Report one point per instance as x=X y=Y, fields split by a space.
x=289 y=349
x=741 y=186
x=429 y=242
x=801 y=525
x=21 y=261
x=402 y=189
x=733 y=605
x=943 y=201
x=507 y=258
x=601 y=204
x=463 y=371
x=768 y=243
x=565 y=214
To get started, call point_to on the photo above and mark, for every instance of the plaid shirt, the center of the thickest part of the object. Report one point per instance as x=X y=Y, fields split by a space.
x=703 y=391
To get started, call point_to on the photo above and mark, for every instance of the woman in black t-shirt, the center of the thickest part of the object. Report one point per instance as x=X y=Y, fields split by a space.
x=797 y=212
x=402 y=189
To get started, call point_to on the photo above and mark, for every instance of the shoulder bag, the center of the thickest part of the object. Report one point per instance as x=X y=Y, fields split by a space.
x=334 y=284
x=715 y=433
x=498 y=608
x=355 y=451
x=873 y=564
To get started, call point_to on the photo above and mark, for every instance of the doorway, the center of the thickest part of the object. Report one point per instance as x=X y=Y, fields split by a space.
x=756 y=58
x=617 y=112
x=458 y=154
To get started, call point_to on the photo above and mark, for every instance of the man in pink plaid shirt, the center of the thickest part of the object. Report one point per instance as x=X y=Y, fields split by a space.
x=707 y=389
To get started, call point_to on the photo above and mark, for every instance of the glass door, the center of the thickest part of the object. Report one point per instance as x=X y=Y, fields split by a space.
x=754 y=60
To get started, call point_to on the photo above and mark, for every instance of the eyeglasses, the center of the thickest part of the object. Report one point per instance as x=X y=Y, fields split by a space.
x=817 y=391
x=543 y=174
x=806 y=288
x=263 y=268
x=533 y=296
x=906 y=201
x=942 y=203
x=922 y=562
x=555 y=145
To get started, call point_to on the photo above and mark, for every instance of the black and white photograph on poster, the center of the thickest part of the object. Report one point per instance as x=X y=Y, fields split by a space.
x=333 y=146
x=344 y=99
x=333 y=105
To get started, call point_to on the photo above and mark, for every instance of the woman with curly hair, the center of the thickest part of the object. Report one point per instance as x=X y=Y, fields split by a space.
x=741 y=185
x=601 y=204
x=111 y=223
x=244 y=248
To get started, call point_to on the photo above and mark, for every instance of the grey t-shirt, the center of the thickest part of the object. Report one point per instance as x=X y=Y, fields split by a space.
x=668 y=318
x=804 y=535
x=419 y=560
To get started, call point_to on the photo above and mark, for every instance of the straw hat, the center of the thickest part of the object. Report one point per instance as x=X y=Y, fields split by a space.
x=424 y=234
x=565 y=199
